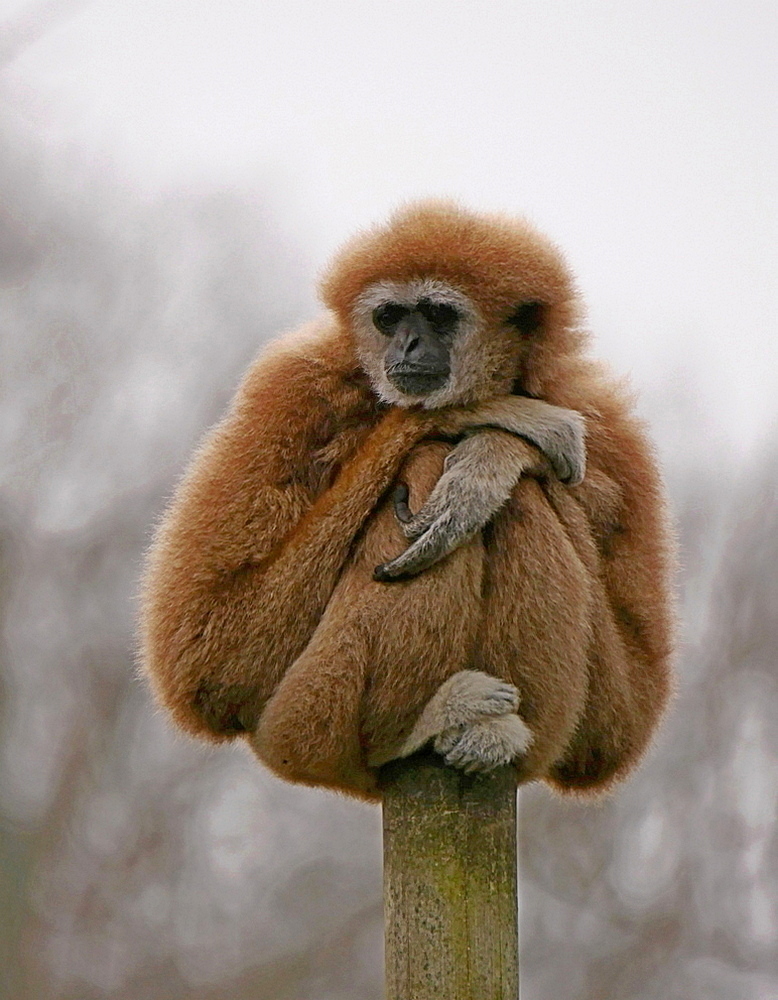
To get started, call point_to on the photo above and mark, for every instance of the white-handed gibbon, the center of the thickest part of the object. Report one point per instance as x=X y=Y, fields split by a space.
x=530 y=618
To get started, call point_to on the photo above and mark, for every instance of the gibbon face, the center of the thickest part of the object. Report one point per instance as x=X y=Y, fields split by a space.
x=448 y=307
x=414 y=339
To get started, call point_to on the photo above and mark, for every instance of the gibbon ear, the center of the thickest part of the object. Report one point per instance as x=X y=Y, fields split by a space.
x=527 y=318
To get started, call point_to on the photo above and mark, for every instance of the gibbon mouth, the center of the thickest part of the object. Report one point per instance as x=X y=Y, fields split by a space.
x=415 y=381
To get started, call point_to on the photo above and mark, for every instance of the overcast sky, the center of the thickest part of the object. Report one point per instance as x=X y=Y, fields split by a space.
x=641 y=136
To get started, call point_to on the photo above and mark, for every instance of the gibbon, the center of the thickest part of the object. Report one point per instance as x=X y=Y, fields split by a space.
x=529 y=619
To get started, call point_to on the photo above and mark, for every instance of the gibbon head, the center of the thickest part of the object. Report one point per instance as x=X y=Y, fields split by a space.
x=447 y=306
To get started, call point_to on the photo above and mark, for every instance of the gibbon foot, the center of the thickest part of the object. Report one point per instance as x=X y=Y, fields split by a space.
x=465 y=697
x=468 y=698
x=484 y=745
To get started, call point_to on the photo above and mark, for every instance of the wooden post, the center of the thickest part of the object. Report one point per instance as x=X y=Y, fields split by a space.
x=450 y=889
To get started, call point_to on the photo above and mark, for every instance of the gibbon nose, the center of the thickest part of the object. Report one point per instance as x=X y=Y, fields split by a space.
x=411 y=335
x=415 y=345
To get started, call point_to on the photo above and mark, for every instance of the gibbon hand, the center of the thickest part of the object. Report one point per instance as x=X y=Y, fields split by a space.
x=479 y=476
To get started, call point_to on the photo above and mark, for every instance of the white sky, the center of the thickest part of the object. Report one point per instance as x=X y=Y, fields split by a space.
x=640 y=135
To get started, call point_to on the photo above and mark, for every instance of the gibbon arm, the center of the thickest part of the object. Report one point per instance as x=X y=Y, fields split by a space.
x=618 y=521
x=248 y=553
x=247 y=556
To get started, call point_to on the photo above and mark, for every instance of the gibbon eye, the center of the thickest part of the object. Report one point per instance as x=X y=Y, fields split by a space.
x=387 y=316
x=440 y=314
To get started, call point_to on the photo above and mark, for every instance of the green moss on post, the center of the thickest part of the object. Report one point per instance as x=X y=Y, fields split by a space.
x=450 y=891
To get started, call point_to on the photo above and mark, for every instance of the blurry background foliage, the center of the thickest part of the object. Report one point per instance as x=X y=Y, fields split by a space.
x=171 y=178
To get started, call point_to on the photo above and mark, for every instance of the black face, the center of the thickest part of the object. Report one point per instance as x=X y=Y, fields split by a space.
x=418 y=356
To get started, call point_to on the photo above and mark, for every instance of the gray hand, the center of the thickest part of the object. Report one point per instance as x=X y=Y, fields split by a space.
x=556 y=431
x=478 y=478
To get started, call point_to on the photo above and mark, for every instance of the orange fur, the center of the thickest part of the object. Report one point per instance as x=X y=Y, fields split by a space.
x=260 y=614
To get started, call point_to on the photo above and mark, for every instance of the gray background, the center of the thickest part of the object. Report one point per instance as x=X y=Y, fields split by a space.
x=172 y=179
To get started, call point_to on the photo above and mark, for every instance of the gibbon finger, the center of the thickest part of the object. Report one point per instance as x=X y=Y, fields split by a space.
x=402 y=511
x=442 y=537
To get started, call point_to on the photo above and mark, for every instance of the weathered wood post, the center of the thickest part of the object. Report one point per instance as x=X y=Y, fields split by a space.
x=450 y=882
